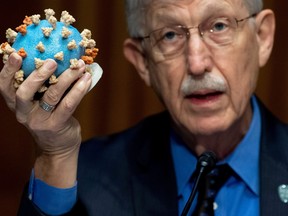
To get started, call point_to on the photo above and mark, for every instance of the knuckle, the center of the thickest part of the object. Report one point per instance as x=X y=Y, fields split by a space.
x=52 y=95
x=21 y=94
x=68 y=105
x=21 y=118
x=36 y=125
x=2 y=87
x=6 y=76
x=41 y=75
x=6 y=73
x=11 y=105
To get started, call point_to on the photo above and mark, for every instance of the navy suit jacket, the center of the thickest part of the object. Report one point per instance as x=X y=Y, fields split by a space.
x=131 y=173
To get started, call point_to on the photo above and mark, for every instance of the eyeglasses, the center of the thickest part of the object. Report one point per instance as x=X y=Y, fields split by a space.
x=170 y=41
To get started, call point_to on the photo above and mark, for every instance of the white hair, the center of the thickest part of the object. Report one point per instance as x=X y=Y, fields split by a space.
x=253 y=6
x=135 y=15
x=136 y=11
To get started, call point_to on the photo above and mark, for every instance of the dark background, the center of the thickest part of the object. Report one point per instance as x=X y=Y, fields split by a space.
x=120 y=99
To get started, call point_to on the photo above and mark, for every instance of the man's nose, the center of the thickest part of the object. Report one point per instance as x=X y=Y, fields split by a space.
x=199 y=56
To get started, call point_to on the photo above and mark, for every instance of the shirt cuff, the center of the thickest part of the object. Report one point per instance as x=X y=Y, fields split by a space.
x=51 y=200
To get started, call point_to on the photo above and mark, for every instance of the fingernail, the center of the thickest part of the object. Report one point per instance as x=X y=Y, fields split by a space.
x=86 y=76
x=82 y=62
x=84 y=80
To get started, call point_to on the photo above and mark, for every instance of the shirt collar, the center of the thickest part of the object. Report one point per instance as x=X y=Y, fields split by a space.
x=244 y=160
x=185 y=161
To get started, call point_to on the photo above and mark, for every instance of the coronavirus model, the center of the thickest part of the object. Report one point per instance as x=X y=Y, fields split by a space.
x=37 y=40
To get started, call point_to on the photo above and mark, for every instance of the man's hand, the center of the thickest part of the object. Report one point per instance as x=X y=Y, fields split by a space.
x=56 y=132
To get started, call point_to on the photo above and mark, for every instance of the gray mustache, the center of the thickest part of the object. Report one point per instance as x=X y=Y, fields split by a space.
x=207 y=81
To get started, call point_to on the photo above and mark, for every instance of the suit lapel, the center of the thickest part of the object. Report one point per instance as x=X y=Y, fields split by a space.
x=273 y=165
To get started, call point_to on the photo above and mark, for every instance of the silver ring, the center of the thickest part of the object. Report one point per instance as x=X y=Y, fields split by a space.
x=45 y=106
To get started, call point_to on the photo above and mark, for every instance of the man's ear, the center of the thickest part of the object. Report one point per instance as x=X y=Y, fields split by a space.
x=265 y=34
x=134 y=53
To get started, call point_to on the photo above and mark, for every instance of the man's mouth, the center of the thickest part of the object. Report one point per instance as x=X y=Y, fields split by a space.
x=204 y=96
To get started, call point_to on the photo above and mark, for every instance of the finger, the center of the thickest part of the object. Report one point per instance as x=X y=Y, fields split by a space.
x=7 y=74
x=69 y=103
x=56 y=91
x=26 y=91
x=11 y=66
x=36 y=80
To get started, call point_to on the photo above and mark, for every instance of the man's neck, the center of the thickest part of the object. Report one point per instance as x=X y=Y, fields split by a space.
x=221 y=143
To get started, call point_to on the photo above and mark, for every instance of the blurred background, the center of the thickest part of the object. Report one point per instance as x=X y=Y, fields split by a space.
x=120 y=99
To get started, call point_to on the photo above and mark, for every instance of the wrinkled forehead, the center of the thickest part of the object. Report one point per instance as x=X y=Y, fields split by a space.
x=194 y=10
x=154 y=4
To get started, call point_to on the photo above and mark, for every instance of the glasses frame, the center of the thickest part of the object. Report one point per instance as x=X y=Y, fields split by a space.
x=187 y=29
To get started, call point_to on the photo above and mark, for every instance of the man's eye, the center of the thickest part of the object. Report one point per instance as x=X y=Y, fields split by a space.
x=169 y=35
x=219 y=27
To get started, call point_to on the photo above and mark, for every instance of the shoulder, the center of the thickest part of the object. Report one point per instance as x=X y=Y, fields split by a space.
x=274 y=136
x=272 y=124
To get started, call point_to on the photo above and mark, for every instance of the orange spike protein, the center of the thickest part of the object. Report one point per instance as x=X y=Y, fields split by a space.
x=22 y=52
x=87 y=59
x=22 y=29
x=27 y=20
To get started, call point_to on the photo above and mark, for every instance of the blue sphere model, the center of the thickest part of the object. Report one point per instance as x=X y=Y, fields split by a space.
x=38 y=40
x=53 y=44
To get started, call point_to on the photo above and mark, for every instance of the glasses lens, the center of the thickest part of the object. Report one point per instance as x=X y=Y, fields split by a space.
x=168 y=40
x=218 y=31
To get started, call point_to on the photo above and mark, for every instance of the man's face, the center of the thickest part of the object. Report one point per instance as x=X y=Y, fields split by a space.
x=207 y=109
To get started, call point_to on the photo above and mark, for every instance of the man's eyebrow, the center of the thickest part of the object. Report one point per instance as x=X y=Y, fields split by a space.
x=168 y=16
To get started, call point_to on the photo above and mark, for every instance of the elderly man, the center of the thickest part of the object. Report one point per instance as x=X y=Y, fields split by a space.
x=202 y=58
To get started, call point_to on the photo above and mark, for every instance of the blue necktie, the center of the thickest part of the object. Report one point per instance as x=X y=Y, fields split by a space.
x=208 y=189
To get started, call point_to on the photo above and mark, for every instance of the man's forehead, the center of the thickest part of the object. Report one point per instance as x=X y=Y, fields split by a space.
x=190 y=1
x=189 y=12
x=199 y=7
x=219 y=3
